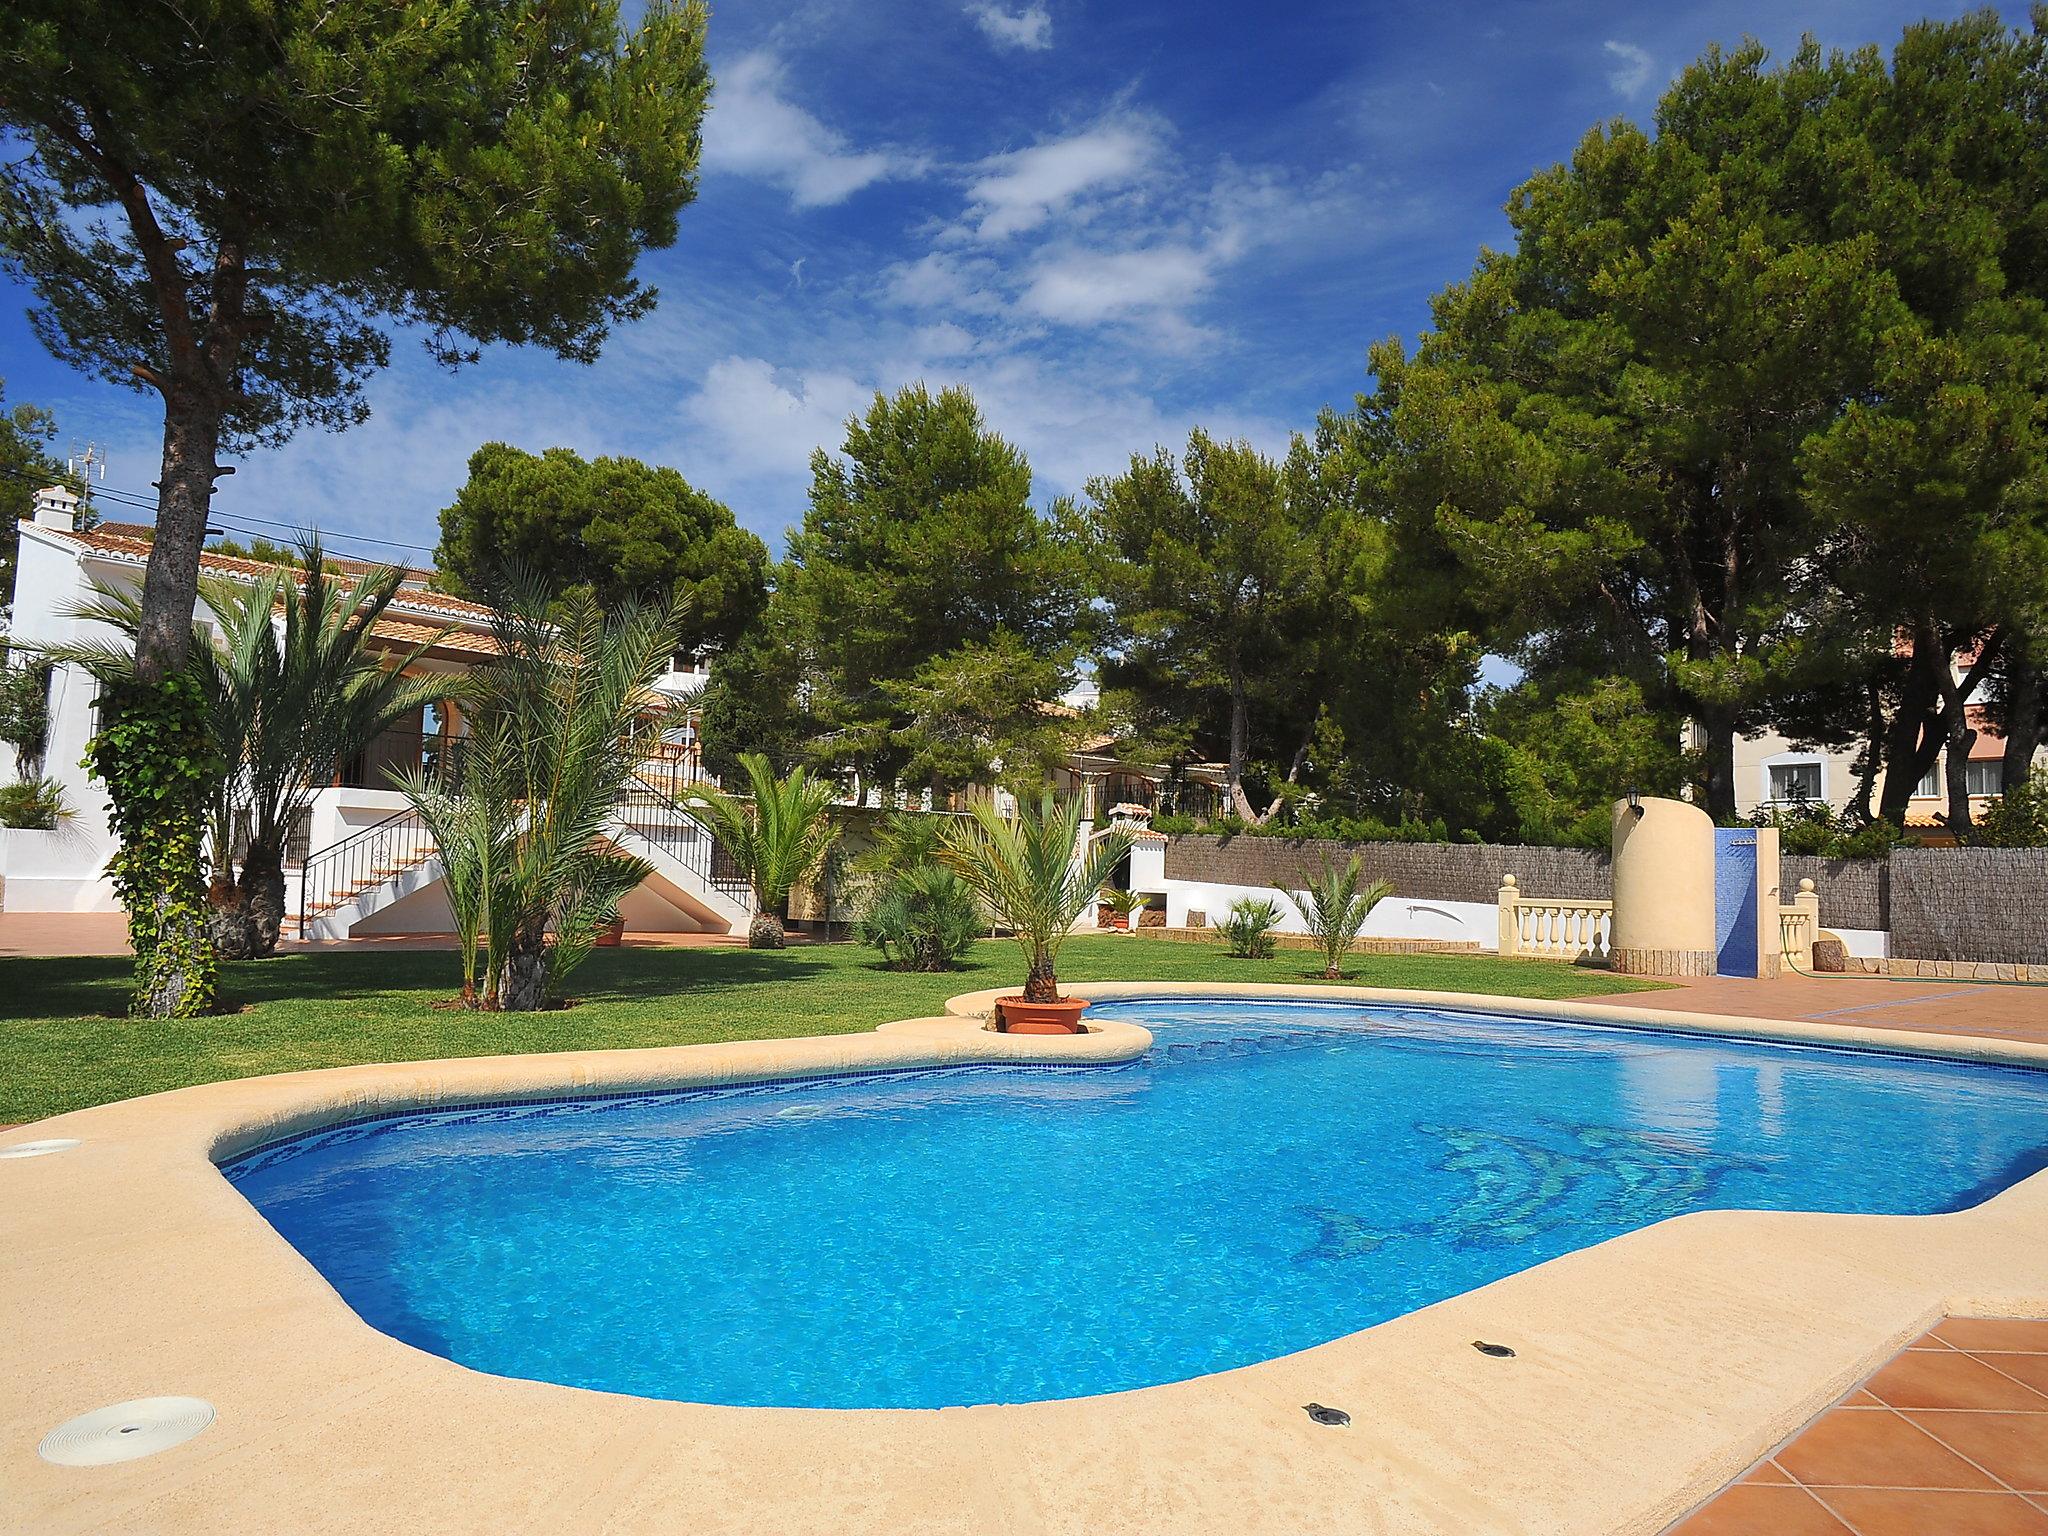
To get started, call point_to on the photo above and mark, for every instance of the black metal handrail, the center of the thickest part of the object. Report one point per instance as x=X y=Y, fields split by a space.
x=361 y=862
x=679 y=832
x=333 y=877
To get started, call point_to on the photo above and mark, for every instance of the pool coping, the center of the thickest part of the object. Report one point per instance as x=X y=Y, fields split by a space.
x=1649 y=1370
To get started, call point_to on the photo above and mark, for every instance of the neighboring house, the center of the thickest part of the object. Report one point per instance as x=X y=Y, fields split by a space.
x=361 y=863
x=1771 y=771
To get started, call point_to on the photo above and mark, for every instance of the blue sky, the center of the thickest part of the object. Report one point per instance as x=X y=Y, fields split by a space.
x=1111 y=219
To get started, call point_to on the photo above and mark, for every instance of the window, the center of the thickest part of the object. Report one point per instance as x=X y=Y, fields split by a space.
x=1987 y=777
x=687 y=661
x=1929 y=787
x=1795 y=781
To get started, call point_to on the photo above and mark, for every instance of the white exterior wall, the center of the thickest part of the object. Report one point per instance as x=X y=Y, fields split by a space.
x=1397 y=917
x=65 y=873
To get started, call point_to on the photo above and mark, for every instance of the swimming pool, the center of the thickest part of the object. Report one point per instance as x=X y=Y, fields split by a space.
x=1271 y=1176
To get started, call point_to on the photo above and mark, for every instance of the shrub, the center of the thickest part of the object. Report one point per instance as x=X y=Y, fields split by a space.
x=1819 y=830
x=923 y=919
x=2019 y=819
x=33 y=804
x=1249 y=925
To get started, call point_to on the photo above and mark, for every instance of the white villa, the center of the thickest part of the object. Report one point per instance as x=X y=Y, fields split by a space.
x=361 y=863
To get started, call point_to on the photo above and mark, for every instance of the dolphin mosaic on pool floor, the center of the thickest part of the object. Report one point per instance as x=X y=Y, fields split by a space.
x=1948 y=1438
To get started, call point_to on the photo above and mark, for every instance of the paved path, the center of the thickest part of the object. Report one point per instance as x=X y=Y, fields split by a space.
x=1935 y=1006
x=106 y=933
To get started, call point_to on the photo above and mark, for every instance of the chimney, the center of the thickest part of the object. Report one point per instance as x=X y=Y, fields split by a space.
x=57 y=507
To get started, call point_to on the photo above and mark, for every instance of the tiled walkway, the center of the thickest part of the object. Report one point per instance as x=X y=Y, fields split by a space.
x=2003 y=1012
x=1949 y=1438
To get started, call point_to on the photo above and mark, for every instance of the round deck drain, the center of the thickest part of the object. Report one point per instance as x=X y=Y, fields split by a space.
x=40 y=1148
x=125 y=1431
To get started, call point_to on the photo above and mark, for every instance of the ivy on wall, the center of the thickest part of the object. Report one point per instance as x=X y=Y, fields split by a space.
x=155 y=756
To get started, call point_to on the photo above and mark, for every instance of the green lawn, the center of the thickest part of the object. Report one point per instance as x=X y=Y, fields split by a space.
x=64 y=1042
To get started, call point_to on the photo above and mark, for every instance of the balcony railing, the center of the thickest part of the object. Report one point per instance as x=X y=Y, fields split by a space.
x=441 y=755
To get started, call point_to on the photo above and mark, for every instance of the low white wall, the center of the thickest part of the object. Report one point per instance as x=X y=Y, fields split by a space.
x=1863 y=943
x=56 y=871
x=1397 y=917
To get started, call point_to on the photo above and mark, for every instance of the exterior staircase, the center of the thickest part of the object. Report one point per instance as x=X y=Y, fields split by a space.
x=346 y=883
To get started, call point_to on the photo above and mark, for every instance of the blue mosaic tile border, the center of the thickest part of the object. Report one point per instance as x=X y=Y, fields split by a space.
x=562 y=1105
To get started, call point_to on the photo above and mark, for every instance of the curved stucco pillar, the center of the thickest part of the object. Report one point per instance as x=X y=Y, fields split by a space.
x=1663 y=889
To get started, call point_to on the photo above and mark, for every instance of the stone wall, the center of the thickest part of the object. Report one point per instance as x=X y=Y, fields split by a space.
x=1443 y=871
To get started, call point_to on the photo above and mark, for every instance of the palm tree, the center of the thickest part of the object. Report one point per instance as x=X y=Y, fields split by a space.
x=286 y=705
x=562 y=717
x=1335 y=909
x=1031 y=876
x=776 y=841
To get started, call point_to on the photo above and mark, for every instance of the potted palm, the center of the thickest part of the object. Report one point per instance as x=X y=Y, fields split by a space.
x=1034 y=881
x=1124 y=907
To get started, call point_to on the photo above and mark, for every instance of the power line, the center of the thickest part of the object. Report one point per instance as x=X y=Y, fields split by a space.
x=236 y=521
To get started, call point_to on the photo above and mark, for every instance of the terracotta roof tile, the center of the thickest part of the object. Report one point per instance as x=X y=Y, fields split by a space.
x=124 y=541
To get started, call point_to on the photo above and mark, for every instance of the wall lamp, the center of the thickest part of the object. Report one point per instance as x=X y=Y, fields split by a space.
x=1635 y=802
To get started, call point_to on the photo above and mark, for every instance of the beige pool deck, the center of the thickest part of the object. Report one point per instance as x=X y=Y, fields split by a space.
x=1649 y=1372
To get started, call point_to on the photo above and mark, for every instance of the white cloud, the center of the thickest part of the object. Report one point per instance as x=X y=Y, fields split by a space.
x=1084 y=287
x=941 y=280
x=1020 y=190
x=751 y=421
x=754 y=130
x=1028 y=28
x=1631 y=68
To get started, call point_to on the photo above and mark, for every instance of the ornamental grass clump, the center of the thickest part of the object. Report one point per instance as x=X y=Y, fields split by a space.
x=1335 y=907
x=1032 y=877
x=1249 y=925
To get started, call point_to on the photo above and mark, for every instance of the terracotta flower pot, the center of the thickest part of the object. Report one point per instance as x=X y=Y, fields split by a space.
x=609 y=935
x=1017 y=1017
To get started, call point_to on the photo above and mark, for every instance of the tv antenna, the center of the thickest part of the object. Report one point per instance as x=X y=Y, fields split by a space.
x=87 y=463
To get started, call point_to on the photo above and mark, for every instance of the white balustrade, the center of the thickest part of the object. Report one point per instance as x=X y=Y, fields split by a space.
x=1554 y=927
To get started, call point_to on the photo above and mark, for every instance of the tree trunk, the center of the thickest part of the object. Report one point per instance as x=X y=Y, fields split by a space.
x=1040 y=984
x=2023 y=714
x=263 y=895
x=162 y=994
x=170 y=582
x=1240 y=728
x=1957 y=752
x=525 y=985
x=227 y=918
x=1718 y=726
x=1872 y=761
x=1909 y=752
x=766 y=932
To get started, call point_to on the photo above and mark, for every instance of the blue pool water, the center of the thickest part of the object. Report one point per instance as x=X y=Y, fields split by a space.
x=1270 y=1177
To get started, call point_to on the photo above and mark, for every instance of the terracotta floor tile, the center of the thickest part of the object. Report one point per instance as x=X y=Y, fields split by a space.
x=1994 y=1333
x=1860 y=1399
x=1929 y=1341
x=2012 y=1447
x=1754 y=1509
x=1860 y=1449
x=1918 y=1379
x=1766 y=1472
x=2032 y=1369
x=1896 y=1512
